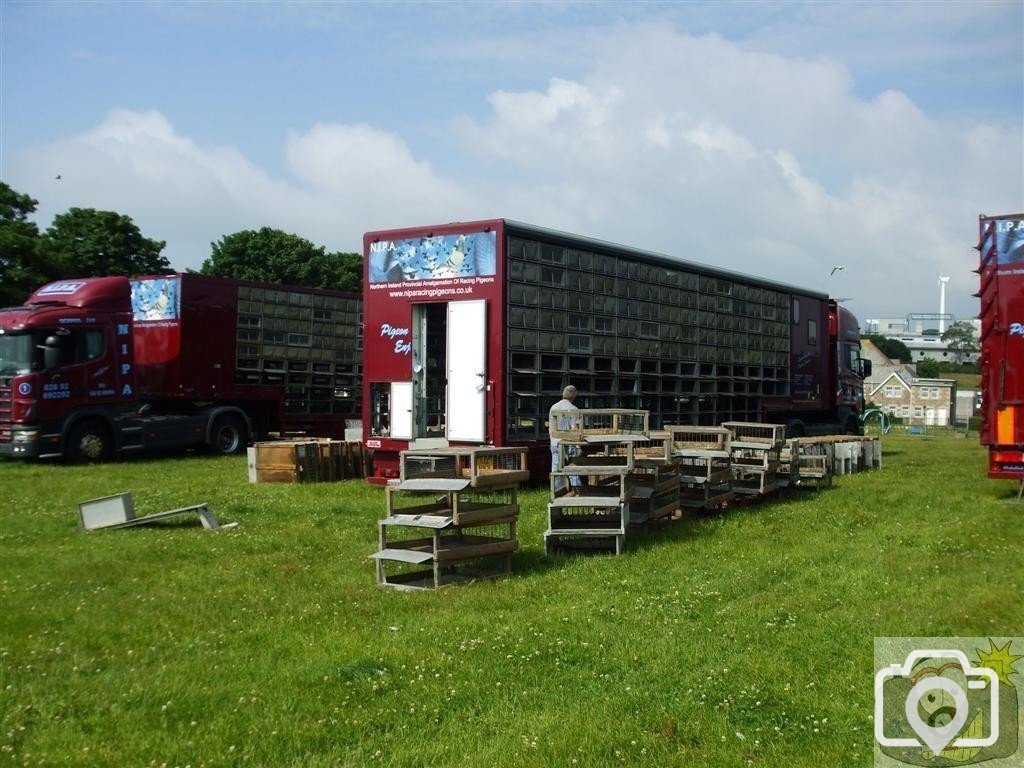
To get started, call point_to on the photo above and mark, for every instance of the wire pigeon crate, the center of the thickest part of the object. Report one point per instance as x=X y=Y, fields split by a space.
x=687 y=440
x=805 y=462
x=432 y=552
x=586 y=522
x=656 y=446
x=578 y=424
x=453 y=498
x=599 y=454
x=746 y=434
x=483 y=467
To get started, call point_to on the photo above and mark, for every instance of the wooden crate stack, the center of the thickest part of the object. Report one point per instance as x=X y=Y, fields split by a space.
x=805 y=462
x=308 y=461
x=451 y=518
x=755 y=456
x=836 y=454
x=704 y=460
x=655 y=495
x=597 y=447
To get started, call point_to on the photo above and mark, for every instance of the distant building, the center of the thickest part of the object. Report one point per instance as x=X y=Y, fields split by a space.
x=920 y=333
x=896 y=389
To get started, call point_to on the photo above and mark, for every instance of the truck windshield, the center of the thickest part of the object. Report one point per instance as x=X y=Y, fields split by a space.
x=17 y=352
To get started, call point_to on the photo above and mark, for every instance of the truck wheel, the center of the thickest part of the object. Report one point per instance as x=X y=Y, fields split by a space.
x=89 y=441
x=228 y=435
x=795 y=428
x=852 y=426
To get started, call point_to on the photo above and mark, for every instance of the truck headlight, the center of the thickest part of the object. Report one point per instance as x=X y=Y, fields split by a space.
x=24 y=435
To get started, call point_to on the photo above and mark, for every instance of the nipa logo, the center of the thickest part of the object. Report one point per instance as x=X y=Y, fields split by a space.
x=60 y=289
x=1017 y=329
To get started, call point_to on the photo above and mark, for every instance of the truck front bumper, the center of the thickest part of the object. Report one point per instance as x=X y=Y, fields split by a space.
x=24 y=444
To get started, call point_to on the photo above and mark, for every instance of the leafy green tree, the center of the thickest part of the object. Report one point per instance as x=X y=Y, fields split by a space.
x=894 y=349
x=960 y=339
x=347 y=271
x=929 y=369
x=272 y=256
x=85 y=242
x=22 y=267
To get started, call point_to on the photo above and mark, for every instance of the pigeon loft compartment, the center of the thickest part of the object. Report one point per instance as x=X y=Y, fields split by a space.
x=578 y=424
x=486 y=467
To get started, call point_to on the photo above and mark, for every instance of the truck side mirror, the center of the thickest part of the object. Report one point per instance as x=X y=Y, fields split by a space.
x=865 y=366
x=51 y=353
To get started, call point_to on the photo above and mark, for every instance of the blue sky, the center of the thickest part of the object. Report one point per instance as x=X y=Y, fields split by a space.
x=777 y=139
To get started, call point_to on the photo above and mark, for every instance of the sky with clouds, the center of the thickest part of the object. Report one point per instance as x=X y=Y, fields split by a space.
x=776 y=139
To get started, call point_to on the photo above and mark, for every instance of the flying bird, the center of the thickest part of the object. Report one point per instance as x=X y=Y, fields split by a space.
x=837 y=268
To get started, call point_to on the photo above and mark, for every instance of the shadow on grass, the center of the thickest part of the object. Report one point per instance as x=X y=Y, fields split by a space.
x=691 y=524
x=534 y=561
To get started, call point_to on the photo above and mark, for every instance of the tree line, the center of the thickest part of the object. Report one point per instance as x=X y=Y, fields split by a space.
x=85 y=242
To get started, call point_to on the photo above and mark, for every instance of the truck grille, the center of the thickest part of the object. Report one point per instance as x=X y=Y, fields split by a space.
x=6 y=397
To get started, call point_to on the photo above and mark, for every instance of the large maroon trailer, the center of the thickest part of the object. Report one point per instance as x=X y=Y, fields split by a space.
x=1001 y=271
x=473 y=329
x=95 y=367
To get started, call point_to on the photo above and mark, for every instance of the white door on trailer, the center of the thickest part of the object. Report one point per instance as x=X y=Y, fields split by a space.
x=467 y=371
x=401 y=410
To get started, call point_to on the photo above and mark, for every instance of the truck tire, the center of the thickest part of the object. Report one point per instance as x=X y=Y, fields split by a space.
x=852 y=426
x=89 y=441
x=228 y=435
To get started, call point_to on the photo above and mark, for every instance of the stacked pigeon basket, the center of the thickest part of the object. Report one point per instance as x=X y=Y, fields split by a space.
x=705 y=469
x=755 y=456
x=451 y=517
x=591 y=493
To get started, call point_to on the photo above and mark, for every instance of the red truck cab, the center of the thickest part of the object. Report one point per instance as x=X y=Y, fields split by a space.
x=69 y=349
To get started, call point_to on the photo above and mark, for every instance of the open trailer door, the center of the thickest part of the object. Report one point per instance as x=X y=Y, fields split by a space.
x=467 y=371
x=401 y=410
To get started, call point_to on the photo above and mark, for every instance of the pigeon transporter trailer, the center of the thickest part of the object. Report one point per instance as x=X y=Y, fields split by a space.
x=473 y=329
x=101 y=366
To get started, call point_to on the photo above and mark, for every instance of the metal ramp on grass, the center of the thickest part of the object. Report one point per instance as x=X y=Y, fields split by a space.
x=118 y=511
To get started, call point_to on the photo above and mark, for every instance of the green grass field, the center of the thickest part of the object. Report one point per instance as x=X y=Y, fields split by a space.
x=740 y=638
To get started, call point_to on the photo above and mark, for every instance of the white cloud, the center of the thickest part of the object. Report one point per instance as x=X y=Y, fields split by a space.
x=699 y=147
x=346 y=179
x=761 y=163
